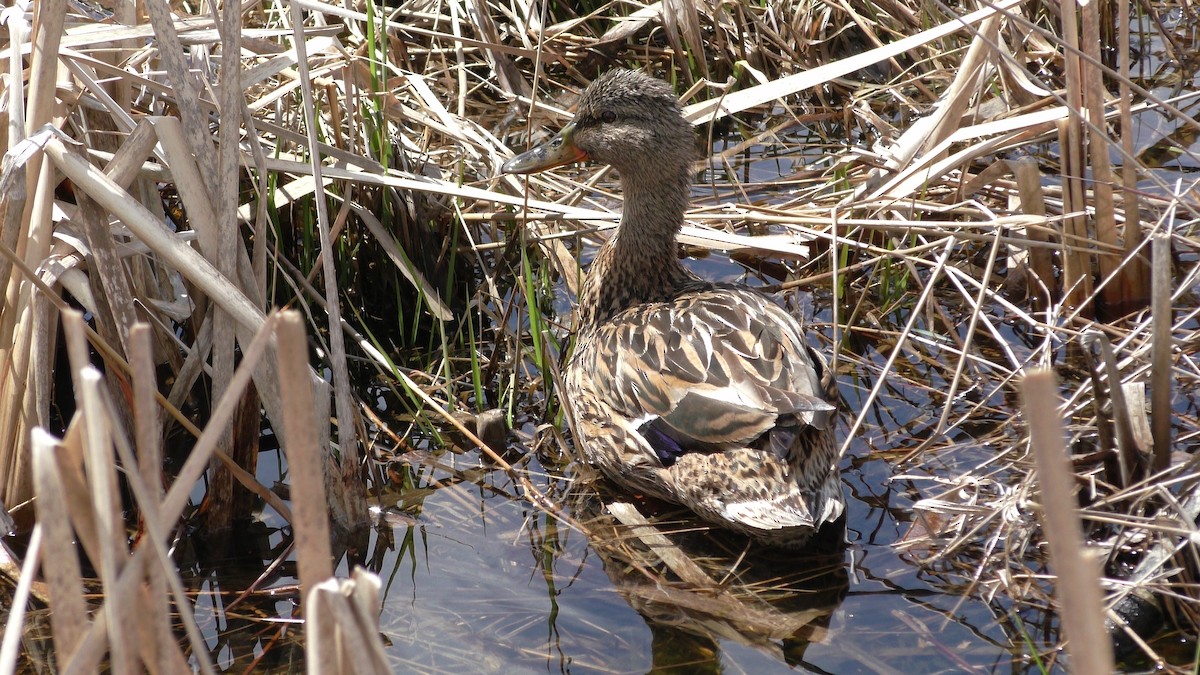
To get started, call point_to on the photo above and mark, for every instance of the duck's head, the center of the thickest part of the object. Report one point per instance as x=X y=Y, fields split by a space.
x=625 y=119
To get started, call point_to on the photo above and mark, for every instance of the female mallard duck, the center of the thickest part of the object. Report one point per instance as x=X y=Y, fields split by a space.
x=704 y=394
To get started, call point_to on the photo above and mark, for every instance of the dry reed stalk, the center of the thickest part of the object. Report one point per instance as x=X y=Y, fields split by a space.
x=17 y=469
x=184 y=86
x=681 y=22
x=64 y=577
x=342 y=630
x=1131 y=454
x=1137 y=412
x=223 y=506
x=42 y=108
x=12 y=206
x=1077 y=265
x=1076 y=262
x=1135 y=280
x=1161 y=378
x=1044 y=285
x=22 y=334
x=120 y=572
x=100 y=470
x=148 y=441
x=1095 y=99
x=124 y=579
x=346 y=488
x=1077 y=583
x=305 y=457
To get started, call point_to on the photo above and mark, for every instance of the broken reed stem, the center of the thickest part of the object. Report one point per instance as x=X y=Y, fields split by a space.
x=1095 y=96
x=64 y=578
x=1043 y=288
x=102 y=486
x=148 y=437
x=102 y=480
x=124 y=617
x=309 y=497
x=1076 y=582
x=1117 y=471
x=1076 y=263
x=1134 y=275
x=342 y=627
x=1131 y=454
x=1160 y=356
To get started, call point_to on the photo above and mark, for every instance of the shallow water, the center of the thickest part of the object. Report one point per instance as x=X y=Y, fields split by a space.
x=489 y=585
x=483 y=582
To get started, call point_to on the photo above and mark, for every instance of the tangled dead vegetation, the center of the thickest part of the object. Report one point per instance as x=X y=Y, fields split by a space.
x=960 y=196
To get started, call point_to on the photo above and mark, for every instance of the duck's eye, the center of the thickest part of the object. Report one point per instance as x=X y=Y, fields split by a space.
x=608 y=117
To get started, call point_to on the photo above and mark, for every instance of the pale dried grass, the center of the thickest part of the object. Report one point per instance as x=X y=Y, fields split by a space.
x=421 y=108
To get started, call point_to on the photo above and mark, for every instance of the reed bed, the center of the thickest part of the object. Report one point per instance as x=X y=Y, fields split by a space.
x=963 y=191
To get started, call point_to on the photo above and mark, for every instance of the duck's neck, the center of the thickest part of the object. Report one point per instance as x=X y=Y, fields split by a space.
x=639 y=263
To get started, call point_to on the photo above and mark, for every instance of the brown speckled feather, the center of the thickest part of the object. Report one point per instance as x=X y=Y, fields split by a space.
x=699 y=393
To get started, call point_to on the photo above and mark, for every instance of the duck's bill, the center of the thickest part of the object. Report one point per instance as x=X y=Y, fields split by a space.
x=555 y=152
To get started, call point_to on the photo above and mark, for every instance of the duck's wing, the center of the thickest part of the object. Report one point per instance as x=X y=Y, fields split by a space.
x=713 y=370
